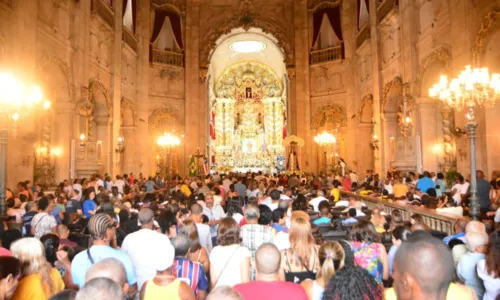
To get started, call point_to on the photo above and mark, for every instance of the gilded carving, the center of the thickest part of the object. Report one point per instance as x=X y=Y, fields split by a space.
x=128 y=105
x=440 y=55
x=366 y=101
x=162 y=117
x=329 y=116
x=395 y=83
x=487 y=26
x=66 y=70
x=168 y=81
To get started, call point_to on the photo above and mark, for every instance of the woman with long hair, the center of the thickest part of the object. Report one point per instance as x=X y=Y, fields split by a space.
x=399 y=235
x=331 y=259
x=488 y=269
x=196 y=252
x=301 y=259
x=89 y=205
x=233 y=209
x=39 y=279
x=369 y=253
x=58 y=258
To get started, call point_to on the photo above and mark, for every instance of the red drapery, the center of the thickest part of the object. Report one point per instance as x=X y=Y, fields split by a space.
x=175 y=21
x=333 y=14
x=134 y=11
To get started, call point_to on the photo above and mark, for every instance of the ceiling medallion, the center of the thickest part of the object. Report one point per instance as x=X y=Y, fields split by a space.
x=247 y=46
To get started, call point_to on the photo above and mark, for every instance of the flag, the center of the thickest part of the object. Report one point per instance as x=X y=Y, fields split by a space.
x=212 y=125
x=205 y=166
x=284 y=125
x=192 y=166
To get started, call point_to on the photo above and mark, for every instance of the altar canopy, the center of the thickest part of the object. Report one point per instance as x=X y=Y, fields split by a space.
x=248 y=118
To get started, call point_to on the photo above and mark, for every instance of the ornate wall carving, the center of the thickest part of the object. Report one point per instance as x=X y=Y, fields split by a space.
x=329 y=116
x=100 y=49
x=487 y=26
x=439 y=55
x=87 y=107
x=128 y=109
x=326 y=79
x=165 y=118
x=167 y=82
x=129 y=69
x=389 y=43
x=48 y=57
x=395 y=83
x=365 y=111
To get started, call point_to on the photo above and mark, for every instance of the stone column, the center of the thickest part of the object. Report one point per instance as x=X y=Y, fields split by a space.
x=302 y=100
x=449 y=161
x=143 y=141
x=427 y=129
x=65 y=114
x=379 y=160
x=195 y=102
x=128 y=156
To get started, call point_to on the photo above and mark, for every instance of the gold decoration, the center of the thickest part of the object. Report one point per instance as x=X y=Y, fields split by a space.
x=48 y=57
x=126 y=103
x=166 y=116
x=484 y=31
x=395 y=83
x=442 y=55
x=367 y=100
x=327 y=116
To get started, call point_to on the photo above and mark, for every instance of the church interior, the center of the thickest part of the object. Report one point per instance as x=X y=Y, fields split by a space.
x=303 y=85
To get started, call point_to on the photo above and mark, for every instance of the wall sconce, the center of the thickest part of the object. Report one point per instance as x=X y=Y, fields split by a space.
x=374 y=142
x=120 y=146
x=83 y=140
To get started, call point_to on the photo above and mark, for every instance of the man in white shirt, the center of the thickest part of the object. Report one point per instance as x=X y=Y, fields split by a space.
x=274 y=200
x=226 y=183
x=119 y=183
x=98 y=181
x=145 y=247
x=316 y=201
x=215 y=214
x=287 y=195
x=204 y=234
x=459 y=189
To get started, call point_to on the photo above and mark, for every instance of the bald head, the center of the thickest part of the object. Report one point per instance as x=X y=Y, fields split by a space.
x=267 y=259
x=146 y=216
x=427 y=261
x=196 y=209
x=475 y=226
x=110 y=268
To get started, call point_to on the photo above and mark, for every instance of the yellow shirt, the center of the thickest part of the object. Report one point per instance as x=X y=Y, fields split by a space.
x=30 y=287
x=455 y=292
x=335 y=192
x=185 y=189
x=400 y=190
x=170 y=291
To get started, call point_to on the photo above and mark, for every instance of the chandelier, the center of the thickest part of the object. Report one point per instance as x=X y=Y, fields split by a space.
x=472 y=87
x=168 y=140
x=325 y=140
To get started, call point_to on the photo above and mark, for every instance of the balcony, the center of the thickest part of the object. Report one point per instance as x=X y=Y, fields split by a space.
x=168 y=58
x=129 y=38
x=385 y=8
x=102 y=9
x=328 y=54
x=363 y=35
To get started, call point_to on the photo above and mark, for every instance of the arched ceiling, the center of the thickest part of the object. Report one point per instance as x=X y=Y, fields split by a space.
x=223 y=56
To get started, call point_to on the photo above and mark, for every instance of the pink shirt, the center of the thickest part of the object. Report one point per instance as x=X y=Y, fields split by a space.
x=5 y=252
x=262 y=290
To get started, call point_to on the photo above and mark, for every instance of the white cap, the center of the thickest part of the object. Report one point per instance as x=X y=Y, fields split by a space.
x=164 y=253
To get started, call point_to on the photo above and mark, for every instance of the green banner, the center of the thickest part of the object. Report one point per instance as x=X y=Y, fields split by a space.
x=192 y=166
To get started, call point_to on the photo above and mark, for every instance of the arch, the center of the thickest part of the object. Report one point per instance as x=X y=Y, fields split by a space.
x=332 y=115
x=246 y=22
x=163 y=119
x=488 y=25
x=96 y=86
x=127 y=111
x=391 y=89
x=441 y=55
x=48 y=57
x=365 y=111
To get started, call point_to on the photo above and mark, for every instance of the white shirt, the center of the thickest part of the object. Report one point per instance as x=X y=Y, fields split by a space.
x=497 y=216
x=205 y=236
x=316 y=201
x=144 y=247
x=109 y=185
x=282 y=240
x=225 y=264
x=217 y=199
x=255 y=193
x=491 y=285
x=120 y=184
x=461 y=190
x=78 y=187
x=216 y=213
x=42 y=223
x=456 y=210
x=99 y=183
x=285 y=197
x=237 y=217
x=226 y=183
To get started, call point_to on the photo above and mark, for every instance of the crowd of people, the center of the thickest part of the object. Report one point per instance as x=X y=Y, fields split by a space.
x=248 y=236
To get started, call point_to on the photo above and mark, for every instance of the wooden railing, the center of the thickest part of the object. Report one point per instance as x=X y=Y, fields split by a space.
x=129 y=38
x=385 y=8
x=436 y=221
x=168 y=58
x=363 y=35
x=328 y=54
x=103 y=10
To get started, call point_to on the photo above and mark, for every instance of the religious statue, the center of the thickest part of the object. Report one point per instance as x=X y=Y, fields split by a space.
x=293 y=145
x=341 y=166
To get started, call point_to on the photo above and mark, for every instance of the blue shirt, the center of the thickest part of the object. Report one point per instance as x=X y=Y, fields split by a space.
x=442 y=187
x=349 y=221
x=460 y=236
x=81 y=263
x=466 y=271
x=190 y=272
x=88 y=205
x=390 y=256
x=150 y=186
x=55 y=213
x=322 y=220
x=424 y=184
x=279 y=228
x=483 y=193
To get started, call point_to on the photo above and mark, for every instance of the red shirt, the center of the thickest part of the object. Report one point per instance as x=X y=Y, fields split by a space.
x=262 y=290
x=5 y=252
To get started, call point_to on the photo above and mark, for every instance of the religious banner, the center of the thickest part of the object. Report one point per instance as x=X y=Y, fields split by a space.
x=280 y=165
x=192 y=166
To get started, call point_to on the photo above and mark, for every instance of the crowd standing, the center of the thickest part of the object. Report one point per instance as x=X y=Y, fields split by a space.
x=249 y=236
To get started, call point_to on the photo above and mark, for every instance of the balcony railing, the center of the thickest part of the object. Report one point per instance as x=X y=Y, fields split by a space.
x=363 y=35
x=129 y=38
x=328 y=54
x=385 y=8
x=103 y=10
x=168 y=58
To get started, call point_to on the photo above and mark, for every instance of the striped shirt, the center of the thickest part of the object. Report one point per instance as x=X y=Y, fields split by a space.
x=190 y=272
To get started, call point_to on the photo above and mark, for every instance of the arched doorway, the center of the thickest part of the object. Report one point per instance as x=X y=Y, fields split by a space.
x=247 y=95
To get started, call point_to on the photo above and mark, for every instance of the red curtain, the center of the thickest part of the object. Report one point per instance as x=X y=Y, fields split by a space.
x=175 y=20
x=317 y=18
x=333 y=14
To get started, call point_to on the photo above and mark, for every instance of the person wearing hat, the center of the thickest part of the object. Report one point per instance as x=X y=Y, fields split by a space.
x=102 y=230
x=165 y=285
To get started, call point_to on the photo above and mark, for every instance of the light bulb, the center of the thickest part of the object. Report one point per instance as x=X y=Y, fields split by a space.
x=15 y=116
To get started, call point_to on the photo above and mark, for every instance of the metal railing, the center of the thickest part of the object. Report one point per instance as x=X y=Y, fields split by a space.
x=103 y=10
x=385 y=8
x=436 y=221
x=168 y=58
x=129 y=38
x=328 y=54
x=363 y=35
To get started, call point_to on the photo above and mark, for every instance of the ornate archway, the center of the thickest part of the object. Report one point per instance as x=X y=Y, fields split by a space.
x=329 y=117
x=489 y=23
